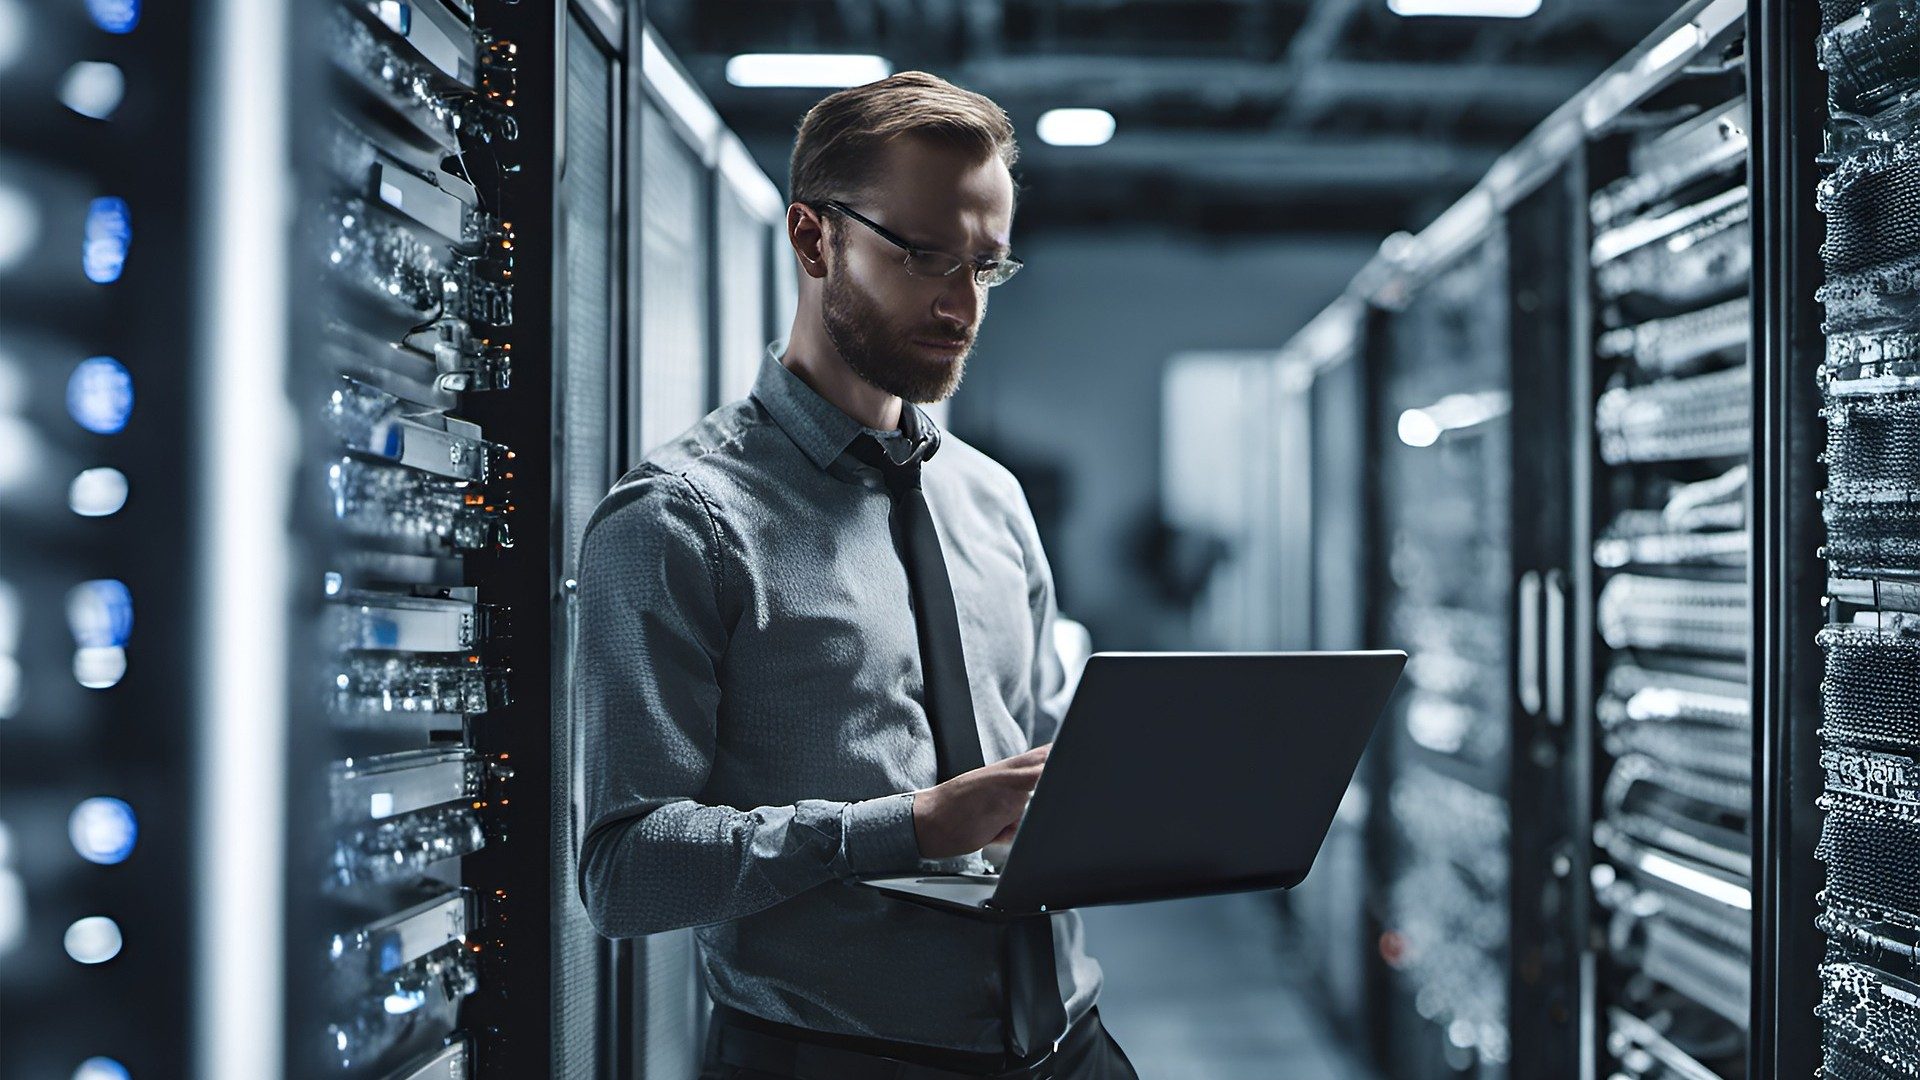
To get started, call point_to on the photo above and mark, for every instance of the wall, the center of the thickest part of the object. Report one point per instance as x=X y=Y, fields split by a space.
x=1065 y=388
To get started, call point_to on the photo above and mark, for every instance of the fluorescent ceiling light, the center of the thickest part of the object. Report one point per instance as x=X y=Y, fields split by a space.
x=1075 y=127
x=822 y=70
x=15 y=32
x=1482 y=9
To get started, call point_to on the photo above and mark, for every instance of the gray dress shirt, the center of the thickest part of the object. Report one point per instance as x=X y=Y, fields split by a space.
x=749 y=678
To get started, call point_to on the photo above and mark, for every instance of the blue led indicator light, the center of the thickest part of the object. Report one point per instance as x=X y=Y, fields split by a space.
x=109 y=234
x=103 y=830
x=115 y=16
x=100 y=395
x=100 y=614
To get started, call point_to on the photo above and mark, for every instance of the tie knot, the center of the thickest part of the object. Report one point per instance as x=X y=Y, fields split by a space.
x=900 y=475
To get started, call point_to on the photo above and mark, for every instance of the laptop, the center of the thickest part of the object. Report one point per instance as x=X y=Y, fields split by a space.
x=1181 y=774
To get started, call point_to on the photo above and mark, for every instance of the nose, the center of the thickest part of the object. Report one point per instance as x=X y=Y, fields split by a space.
x=958 y=304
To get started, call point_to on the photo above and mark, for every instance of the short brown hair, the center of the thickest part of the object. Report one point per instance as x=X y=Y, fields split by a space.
x=840 y=136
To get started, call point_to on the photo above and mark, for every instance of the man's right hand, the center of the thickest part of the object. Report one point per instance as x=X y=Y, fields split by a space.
x=976 y=808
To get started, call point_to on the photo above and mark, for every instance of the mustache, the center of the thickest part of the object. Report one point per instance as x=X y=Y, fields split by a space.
x=944 y=338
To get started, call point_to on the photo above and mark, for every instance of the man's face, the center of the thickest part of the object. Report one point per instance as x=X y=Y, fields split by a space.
x=907 y=335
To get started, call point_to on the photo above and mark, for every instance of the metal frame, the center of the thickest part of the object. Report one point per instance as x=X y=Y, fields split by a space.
x=1788 y=577
x=1549 y=860
x=520 y=578
x=245 y=660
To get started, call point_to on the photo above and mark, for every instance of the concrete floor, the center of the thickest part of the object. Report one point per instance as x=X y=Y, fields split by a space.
x=1202 y=988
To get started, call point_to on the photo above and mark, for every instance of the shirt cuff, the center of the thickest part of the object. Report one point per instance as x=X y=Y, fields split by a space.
x=877 y=835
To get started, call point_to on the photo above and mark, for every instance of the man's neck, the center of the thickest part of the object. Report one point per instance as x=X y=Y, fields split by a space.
x=819 y=365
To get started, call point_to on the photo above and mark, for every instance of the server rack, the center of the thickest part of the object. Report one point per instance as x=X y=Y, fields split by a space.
x=426 y=811
x=1328 y=912
x=1667 y=715
x=1240 y=509
x=324 y=826
x=1283 y=519
x=1856 y=744
x=1629 y=966
x=99 y=510
x=1439 y=446
x=1477 y=974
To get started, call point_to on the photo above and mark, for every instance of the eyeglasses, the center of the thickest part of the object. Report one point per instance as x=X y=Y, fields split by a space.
x=934 y=264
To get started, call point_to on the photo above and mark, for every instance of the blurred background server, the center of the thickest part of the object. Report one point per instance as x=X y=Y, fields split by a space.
x=1569 y=345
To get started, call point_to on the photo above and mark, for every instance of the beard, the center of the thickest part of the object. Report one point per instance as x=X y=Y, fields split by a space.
x=883 y=355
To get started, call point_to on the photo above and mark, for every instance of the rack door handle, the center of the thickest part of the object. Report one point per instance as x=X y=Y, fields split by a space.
x=1555 y=647
x=1527 y=642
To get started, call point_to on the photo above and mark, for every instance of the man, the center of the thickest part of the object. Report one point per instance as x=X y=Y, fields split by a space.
x=790 y=676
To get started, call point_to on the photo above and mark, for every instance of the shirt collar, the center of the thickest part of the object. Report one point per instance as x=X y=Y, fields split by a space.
x=817 y=425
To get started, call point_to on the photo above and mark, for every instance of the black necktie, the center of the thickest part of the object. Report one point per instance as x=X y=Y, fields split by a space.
x=943 y=664
x=1036 y=1015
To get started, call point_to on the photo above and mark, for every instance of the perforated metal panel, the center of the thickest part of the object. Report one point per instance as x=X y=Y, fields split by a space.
x=673 y=282
x=673 y=1006
x=784 y=291
x=740 y=247
x=672 y=379
x=587 y=246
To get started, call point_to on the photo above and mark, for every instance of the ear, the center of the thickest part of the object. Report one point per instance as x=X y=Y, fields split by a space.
x=807 y=233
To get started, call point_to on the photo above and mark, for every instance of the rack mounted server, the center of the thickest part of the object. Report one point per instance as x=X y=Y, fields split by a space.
x=1870 y=407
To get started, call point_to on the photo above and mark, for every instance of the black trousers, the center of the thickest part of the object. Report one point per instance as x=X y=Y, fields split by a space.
x=1087 y=1052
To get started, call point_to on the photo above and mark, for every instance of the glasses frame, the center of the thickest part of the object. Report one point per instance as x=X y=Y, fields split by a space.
x=982 y=272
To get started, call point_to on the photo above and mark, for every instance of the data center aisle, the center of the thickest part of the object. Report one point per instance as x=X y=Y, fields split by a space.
x=1204 y=988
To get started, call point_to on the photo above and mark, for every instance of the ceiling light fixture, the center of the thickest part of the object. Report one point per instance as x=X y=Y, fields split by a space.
x=812 y=70
x=1075 y=127
x=1478 y=9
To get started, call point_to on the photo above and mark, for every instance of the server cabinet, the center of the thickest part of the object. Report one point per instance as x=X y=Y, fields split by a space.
x=1736 y=621
x=1440 y=871
x=1330 y=348
x=1546 y=772
x=1869 y=689
x=1326 y=915
x=423 y=819
x=1667 y=716
x=699 y=233
x=1249 y=513
x=1477 y=876
x=1281 y=522
x=101 y=713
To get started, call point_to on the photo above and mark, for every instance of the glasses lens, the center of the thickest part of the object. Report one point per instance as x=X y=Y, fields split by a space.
x=997 y=273
x=931 y=264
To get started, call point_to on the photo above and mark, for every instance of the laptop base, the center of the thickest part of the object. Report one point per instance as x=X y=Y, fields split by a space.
x=968 y=894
